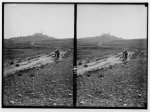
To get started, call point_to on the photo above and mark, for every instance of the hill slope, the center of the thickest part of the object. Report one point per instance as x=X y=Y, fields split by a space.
x=99 y=39
x=132 y=43
x=121 y=85
x=37 y=41
x=31 y=38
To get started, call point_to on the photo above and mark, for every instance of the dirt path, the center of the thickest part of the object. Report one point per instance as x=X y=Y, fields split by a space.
x=36 y=62
x=111 y=60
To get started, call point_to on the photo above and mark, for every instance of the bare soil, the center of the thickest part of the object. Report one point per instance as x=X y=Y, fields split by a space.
x=102 y=63
x=30 y=63
x=111 y=82
x=40 y=82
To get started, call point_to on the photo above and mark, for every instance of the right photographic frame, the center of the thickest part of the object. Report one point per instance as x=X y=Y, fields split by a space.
x=112 y=55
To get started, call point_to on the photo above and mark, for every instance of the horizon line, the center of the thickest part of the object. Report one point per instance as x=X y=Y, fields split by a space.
x=23 y=36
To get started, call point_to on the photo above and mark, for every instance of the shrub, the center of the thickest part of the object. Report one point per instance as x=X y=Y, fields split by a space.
x=11 y=62
x=85 y=65
x=17 y=65
x=80 y=63
x=19 y=75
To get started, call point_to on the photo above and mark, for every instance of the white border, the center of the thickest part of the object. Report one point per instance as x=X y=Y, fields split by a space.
x=73 y=110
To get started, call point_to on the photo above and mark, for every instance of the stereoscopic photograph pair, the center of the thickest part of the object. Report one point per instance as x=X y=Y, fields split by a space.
x=74 y=55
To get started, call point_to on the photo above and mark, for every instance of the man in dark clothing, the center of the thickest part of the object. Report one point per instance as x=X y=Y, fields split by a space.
x=125 y=54
x=57 y=53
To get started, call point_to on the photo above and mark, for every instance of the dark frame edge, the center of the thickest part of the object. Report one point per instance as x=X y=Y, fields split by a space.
x=113 y=3
x=3 y=3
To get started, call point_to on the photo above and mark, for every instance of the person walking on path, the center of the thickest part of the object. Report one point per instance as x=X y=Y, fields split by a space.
x=57 y=54
x=125 y=54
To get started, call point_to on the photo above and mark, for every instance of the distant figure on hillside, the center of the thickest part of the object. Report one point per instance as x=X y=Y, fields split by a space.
x=125 y=54
x=57 y=53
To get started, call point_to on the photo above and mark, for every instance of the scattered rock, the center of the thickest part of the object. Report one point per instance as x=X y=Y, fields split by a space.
x=69 y=94
x=52 y=81
x=80 y=63
x=88 y=75
x=12 y=102
x=111 y=95
x=50 y=99
x=86 y=89
x=82 y=102
x=89 y=96
x=54 y=104
x=17 y=65
x=125 y=104
x=101 y=76
x=120 y=99
x=19 y=95
x=85 y=65
x=96 y=98
x=139 y=95
x=19 y=75
x=101 y=101
x=11 y=62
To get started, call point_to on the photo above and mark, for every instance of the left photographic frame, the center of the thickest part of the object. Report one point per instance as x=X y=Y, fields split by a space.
x=37 y=55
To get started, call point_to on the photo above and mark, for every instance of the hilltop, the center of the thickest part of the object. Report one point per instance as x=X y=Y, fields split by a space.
x=99 y=39
x=30 y=38
x=37 y=40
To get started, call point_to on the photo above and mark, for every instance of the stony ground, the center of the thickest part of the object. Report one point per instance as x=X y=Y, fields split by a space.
x=47 y=85
x=102 y=63
x=120 y=85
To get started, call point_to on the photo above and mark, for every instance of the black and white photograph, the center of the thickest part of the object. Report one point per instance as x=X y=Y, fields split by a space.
x=112 y=55
x=75 y=55
x=38 y=55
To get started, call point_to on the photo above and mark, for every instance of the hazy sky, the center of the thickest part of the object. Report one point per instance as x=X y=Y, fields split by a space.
x=126 y=21
x=55 y=20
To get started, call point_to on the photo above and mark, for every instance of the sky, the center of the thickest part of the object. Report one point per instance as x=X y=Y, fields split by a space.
x=55 y=20
x=125 y=21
